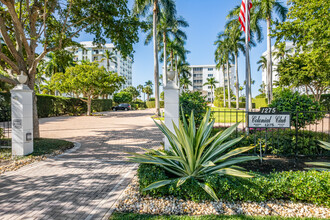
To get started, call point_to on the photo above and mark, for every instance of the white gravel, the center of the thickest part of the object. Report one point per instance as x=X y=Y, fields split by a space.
x=133 y=201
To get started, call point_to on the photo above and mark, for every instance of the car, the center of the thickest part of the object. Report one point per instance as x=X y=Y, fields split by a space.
x=122 y=106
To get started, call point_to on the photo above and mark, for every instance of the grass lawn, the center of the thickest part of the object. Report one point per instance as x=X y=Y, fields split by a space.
x=42 y=147
x=222 y=115
x=128 y=216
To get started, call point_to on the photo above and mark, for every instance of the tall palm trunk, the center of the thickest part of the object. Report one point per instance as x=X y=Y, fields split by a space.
x=108 y=64
x=212 y=95
x=165 y=60
x=269 y=64
x=156 y=74
x=229 y=98
x=224 y=86
x=237 y=82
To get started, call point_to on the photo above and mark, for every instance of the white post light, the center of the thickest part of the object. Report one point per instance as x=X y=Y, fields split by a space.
x=171 y=96
x=22 y=118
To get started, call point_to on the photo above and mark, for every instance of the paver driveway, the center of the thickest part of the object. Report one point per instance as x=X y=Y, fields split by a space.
x=83 y=184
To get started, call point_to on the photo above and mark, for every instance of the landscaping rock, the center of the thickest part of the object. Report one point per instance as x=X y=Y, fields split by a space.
x=133 y=201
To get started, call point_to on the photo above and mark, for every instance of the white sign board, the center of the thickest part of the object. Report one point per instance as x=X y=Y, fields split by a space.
x=277 y=120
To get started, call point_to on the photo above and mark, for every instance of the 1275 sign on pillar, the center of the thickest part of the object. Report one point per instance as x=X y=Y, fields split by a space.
x=269 y=118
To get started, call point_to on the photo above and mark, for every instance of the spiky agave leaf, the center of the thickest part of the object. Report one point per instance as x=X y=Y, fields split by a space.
x=194 y=154
x=322 y=166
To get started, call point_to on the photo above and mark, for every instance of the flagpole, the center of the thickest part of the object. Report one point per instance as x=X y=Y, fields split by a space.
x=247 y=63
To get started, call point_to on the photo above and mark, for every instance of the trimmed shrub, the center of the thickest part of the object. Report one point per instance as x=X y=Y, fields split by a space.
x=305 y=186
x=49 y=105
x=140 y=104
x=287 y=101
x=282 y=142
x=260 y=102
x=325 y=101
x=152 y=104
x=122 y=97
x=193 y=101
x=219 y=103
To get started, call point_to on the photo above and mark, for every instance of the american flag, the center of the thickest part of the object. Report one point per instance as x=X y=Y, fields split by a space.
x=242 y=17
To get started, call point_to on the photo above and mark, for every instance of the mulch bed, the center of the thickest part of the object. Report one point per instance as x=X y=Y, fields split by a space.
x=272 y=163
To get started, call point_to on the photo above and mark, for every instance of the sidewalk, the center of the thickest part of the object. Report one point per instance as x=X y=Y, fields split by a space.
x=83 y=184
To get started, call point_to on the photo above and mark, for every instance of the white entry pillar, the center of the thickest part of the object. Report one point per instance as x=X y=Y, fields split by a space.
x=22 y=119
x=171 y=96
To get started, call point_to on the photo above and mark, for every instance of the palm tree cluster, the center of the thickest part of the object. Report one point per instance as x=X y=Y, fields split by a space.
x=163 y=27
x=231 y=41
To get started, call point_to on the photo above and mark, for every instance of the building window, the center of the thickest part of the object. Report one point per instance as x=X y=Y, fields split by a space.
x=209 y=69
x=209 y=93
x=210 y=75
x=209 y=87
x=96 y=51
x=198 y=69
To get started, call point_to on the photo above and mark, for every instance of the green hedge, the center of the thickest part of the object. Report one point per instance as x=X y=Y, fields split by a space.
x=260 y=102
x=219 y=103
x=49 y=105
x=139 y=104
x=152 y=104
x=282 y=142
x=305 y=186
x=325 y=101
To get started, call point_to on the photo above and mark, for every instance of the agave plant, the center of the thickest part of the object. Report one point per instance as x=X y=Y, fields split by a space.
x=321 y=166
x=194 y=154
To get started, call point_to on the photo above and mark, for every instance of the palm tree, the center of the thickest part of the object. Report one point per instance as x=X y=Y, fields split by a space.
x=264 y=11
x=262 y=63
x=140 y=88
x=147 y=90
x=185 y=83
x=211 y=82
x=109 y=56
x=224 y=50
x=141 y=7
x=149 y=83
x=220 y=63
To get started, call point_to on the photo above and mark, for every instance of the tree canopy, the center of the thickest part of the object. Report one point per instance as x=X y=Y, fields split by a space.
x=308 y=28
x=87 y=80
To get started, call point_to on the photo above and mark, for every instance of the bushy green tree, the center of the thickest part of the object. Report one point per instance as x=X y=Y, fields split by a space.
x=133 y=91
x=51 y=25
x=308 y=28
x=193 y=101
x=122 y=97
x=88 y=80
x=303 y=109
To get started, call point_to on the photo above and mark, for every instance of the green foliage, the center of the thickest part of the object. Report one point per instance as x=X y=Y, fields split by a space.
x=140 y=104
x=282 y=142
x=88 y=79
x=261 y=96
x=322 y=165
x=49 y=105
x=218 y=93
x=133 y=91
x=42 y=146
x=193 y=101
x=194 y=155
x=152 y=104
x=260 y=102
x=308 y=28
x=162 y=95
x=287 y=101
x=219 y=103
x=325 y=101
x=122 y=97
x=312 y=186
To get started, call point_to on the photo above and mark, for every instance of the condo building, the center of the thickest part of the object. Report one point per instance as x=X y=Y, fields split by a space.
x=200 y=73
x=93 y=53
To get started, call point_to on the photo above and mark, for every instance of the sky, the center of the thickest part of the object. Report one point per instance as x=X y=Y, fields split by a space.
x=206 y=19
